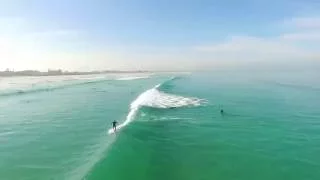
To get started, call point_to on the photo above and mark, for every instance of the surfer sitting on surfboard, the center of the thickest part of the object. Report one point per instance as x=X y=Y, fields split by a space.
x=114 y=125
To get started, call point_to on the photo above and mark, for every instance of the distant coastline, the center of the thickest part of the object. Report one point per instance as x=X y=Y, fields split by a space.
x=59 y=72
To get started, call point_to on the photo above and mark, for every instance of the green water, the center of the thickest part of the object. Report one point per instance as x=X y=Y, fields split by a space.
x=270 y=129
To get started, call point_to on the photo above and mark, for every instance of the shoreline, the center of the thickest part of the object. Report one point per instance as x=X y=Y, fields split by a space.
x=44 y=74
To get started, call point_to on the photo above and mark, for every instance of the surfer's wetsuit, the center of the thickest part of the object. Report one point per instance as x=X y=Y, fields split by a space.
x=114 y=124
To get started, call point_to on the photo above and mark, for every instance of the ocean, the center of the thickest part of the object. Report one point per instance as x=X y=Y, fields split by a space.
x=170 y=126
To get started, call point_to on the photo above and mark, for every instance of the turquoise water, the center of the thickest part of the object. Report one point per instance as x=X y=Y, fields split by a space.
x=57 y=127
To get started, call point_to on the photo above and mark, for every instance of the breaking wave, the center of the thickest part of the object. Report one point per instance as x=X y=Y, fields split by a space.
x=132 y=78
x=157 y=99
x=50 y=85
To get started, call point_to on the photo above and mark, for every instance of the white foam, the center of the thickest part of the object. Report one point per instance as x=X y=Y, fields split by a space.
x=132 y=78
x=157 y=99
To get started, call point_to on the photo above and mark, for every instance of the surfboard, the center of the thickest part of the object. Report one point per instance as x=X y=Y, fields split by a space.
x=111 y=131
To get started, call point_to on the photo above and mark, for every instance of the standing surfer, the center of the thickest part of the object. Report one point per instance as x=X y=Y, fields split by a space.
x=114 y=125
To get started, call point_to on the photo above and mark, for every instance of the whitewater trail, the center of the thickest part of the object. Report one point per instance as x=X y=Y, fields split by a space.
x=156 y=99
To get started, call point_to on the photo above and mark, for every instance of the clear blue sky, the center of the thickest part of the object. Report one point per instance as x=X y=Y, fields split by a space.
x=75 y=34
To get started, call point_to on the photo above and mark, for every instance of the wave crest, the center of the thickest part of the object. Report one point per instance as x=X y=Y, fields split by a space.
x=156 y=99
x=132 y=78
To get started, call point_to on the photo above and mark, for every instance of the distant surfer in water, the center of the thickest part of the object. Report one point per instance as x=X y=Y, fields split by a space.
x=114 y=125
x=221 y=110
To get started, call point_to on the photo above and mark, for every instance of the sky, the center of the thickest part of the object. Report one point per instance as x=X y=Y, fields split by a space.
x=181 y=35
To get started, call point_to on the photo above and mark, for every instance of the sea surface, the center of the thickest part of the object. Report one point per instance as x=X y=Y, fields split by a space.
x=170 y=126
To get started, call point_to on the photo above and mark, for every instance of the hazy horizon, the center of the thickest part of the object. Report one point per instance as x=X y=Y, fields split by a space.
x=159 y=36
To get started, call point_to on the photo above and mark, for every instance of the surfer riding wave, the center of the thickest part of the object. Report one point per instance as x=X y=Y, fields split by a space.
x=156 y=99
